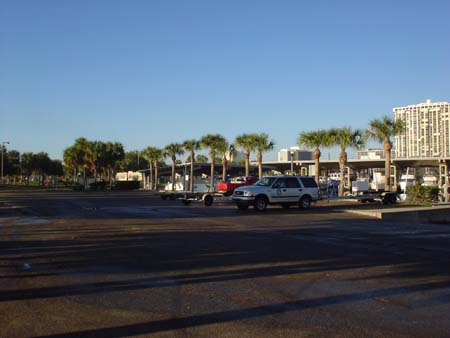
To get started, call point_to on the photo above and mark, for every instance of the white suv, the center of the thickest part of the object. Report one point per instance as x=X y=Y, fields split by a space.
x=282 y=190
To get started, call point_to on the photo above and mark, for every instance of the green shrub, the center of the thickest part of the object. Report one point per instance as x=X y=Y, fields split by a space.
x=99 y=185
x=127 y=185
x=423 y=195
x=77 y=187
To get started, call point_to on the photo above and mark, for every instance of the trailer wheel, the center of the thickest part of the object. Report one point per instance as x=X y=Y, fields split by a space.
x=208 y=200
x=389 y=199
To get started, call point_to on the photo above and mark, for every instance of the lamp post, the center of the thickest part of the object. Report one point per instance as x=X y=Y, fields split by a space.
x=292 y=162
x=3 y=145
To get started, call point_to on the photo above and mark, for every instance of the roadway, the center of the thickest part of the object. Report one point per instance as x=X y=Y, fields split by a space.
x=116 y=264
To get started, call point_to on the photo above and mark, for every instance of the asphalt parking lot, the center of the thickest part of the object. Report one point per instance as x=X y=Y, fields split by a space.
x=128 y=264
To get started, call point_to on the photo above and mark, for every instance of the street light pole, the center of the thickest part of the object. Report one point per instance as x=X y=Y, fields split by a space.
x=3 y=145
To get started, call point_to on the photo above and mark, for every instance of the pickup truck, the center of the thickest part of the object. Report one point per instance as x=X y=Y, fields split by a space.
x=227 y=188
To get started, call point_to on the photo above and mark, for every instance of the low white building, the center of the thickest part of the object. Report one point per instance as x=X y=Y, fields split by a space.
x=129 y=176
x=373 y=154
x=294 y=153
x=370 y=154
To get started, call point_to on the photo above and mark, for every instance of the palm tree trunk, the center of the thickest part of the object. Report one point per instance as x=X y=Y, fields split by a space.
x=342 y=163
x=84 y=177
x=224 y=169
x=111 y=175
x=173 y=174
x=259 y=158
x=191 y=176
x=211 y=187
x=156 y=175
x=387 y=165
x=150 y=179
x=247 y=163
x=316 y=155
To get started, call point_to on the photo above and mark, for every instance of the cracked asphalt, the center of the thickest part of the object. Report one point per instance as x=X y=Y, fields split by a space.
x=129 y=264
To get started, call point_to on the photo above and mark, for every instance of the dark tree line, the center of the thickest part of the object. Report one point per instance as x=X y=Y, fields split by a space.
x=19 y=167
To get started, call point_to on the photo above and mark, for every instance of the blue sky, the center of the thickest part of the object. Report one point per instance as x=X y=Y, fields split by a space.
x=154 y=72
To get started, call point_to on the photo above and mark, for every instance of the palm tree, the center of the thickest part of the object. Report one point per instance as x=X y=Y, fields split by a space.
x=71 y=161
x=315 y=139
x=263 y=144
x=191 y=146
x=200 y=158
x=248 y=143
x=213 y=142
x=100 y=158
x=42 y=165
x=147 y=155
x=173 y=150
x=84 y=152
x=153 y=155
x=226 y=151
x=345 y=138
x=382 y=130
x=114 y=154
x=27 y=165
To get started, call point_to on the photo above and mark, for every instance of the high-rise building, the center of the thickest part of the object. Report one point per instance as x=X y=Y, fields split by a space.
x=427 y=130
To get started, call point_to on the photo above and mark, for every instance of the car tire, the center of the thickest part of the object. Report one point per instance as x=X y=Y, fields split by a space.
x=261 y=203
x=242 y=207
x=305 y=202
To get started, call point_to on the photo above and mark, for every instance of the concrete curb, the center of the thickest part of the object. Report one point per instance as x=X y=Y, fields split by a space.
x=435 y=214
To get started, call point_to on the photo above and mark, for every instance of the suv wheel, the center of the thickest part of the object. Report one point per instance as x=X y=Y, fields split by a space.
x=261 y=204
x=305 y=202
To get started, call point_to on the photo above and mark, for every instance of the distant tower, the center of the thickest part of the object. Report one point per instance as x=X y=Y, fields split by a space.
x=427 y=130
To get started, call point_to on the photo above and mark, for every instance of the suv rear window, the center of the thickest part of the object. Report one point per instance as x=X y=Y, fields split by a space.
x=308 y=182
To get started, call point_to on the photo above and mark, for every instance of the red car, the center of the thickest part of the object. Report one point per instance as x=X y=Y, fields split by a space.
x=227 y=188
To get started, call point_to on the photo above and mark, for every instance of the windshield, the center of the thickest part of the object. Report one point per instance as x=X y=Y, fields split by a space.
x=265 y=182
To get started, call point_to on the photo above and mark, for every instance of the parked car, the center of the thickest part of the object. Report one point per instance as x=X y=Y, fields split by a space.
x=282 y=190
x=227 y=188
